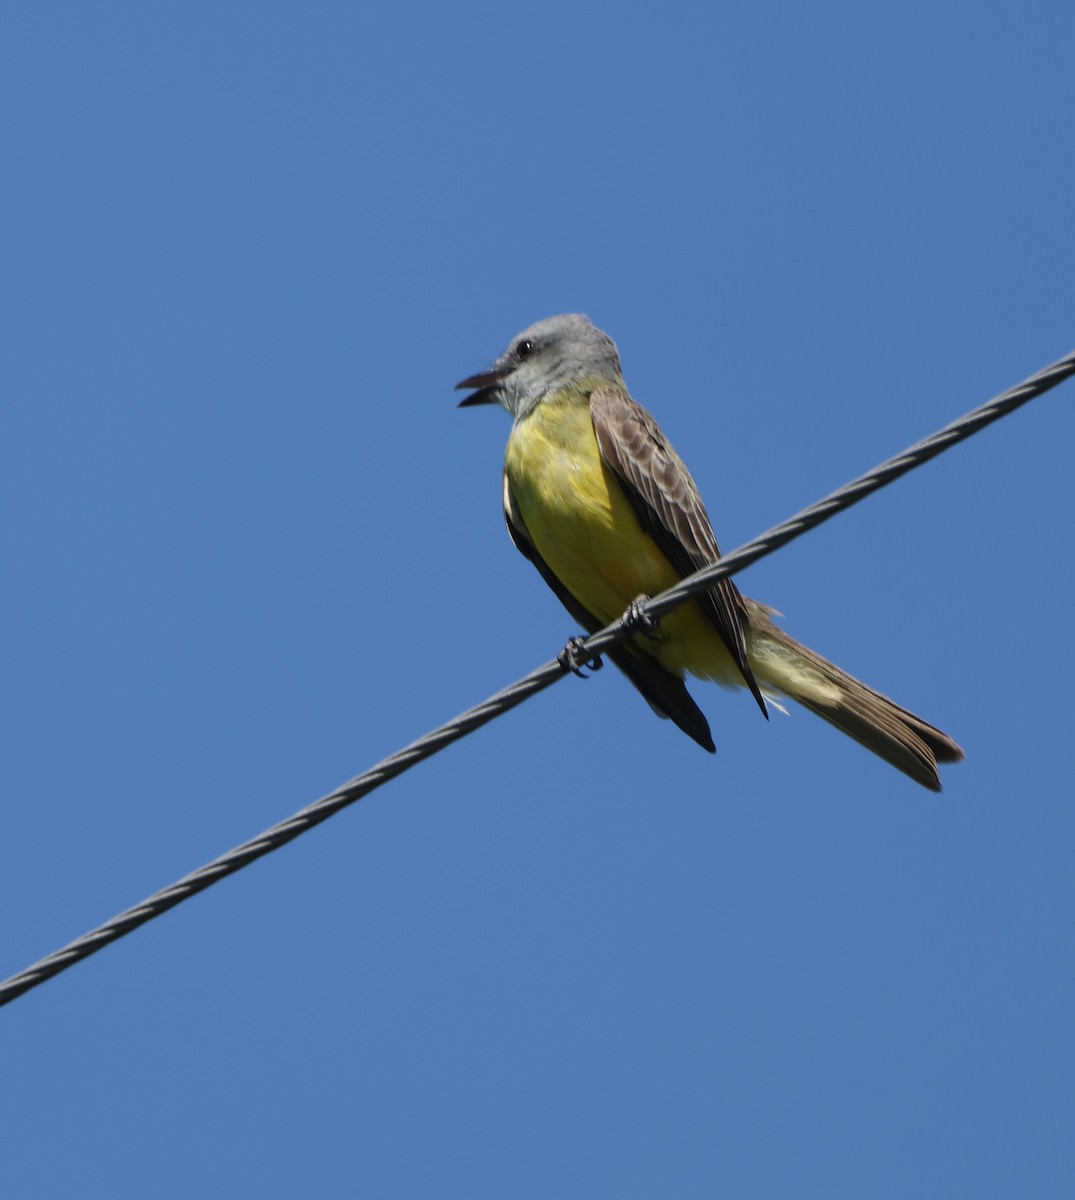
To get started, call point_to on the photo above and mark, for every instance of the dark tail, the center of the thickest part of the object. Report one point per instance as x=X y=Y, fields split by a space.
x=910 y=744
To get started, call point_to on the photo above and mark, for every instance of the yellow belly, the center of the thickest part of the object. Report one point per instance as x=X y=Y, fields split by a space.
x=585 y=529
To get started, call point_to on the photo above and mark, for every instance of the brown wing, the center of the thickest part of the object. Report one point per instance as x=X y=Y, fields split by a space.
x=671 y=511
x=665 y=694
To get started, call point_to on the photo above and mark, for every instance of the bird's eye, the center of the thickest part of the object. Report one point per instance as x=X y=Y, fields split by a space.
x=524 y=349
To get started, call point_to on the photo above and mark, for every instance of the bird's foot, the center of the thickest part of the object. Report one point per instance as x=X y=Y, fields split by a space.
x=573 y=657
x=639 y=621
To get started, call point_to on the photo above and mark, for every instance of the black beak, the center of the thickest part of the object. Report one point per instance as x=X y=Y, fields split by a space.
x=487 y=384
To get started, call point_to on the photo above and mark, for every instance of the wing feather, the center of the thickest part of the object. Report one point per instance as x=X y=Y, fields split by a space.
x=670 y=509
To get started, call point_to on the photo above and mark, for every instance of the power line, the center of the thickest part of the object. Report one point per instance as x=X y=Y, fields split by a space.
x=851 y=493
x=313 y=814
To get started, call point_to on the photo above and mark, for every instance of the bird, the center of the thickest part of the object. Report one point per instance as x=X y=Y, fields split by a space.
x=597 y=499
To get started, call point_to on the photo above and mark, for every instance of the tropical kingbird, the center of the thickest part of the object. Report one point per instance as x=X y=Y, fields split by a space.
x=600 y=503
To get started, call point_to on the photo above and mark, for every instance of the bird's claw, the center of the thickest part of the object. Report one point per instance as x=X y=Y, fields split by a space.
x=573 y=658
x=639 y=621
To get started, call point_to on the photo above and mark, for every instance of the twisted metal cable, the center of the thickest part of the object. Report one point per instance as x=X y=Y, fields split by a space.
x=313 y=814
x=851 y=493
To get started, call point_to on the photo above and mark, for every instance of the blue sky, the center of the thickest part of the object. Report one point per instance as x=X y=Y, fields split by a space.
x=251 y=547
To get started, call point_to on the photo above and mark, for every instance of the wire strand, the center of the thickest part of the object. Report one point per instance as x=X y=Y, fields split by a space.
x=355 y=789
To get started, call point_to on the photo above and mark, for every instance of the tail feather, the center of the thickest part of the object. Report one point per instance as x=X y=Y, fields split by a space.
x=910 y=744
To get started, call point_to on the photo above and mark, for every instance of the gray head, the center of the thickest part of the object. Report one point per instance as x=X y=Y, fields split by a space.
x=549 y=355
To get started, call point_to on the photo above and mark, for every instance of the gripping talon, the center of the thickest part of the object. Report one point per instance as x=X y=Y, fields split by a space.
x=573 y=658
x=636 y=618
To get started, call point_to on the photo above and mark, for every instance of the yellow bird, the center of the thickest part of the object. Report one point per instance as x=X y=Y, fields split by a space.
x=600 y=503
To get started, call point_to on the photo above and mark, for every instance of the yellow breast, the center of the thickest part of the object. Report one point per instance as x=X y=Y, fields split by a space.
x=585 y=529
